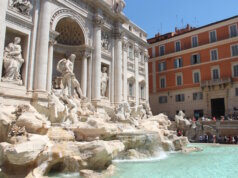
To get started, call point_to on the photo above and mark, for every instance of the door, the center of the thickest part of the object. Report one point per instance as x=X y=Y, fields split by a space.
x=218 y=107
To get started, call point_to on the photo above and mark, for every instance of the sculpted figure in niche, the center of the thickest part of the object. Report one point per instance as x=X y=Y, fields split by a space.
x=70 y=83
x=104 y=81
x=24 y=6
x=105 y=41
x=119 y=6
x=12 y=61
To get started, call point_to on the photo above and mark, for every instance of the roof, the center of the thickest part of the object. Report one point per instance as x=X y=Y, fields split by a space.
x=172 y=35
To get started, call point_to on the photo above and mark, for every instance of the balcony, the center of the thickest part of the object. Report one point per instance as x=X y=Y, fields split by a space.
x=216 y=82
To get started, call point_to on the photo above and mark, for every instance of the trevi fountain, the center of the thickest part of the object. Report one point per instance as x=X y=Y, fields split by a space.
x=74 y=92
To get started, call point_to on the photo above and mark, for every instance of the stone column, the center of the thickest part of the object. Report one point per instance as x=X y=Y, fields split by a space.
x=52 y=42
x=146 y=57
x=137 y=88
x=125 y=50
x=84 y=73
x=42 y=47
x=3 y=5
x=33 y=45
x=89 y=74
x=96 y=66
x=118 y=65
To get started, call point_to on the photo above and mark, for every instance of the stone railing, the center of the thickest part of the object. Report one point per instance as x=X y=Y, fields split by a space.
x=214 y=82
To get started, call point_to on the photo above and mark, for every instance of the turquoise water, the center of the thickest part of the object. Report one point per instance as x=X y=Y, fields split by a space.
x=213 y=162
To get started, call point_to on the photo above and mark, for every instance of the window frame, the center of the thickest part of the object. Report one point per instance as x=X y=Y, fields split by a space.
x=230 y=30
x=160 y=50
x=232 y=50
x=180 y=100
x=195 y=36
x=175 y=46
x=176 y=79
x=177 y=59
x=161 y=101
x=215 y=68
x=232 y=69
x=211 y=54
x=199 y=73
x=164 y=66
x=164 y=78
x=197 y=54
x=210 y=40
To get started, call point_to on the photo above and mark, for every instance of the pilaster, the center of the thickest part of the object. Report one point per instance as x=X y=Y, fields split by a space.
x=40 y=82
x=137 y=89
x=96 y=66
x=118 y=64
x=125 y=46
x=3 y=5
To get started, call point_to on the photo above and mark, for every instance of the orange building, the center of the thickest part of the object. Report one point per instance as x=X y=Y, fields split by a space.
x=195 y=70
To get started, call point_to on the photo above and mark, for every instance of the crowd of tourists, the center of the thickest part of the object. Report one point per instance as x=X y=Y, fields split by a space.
x=214 y=139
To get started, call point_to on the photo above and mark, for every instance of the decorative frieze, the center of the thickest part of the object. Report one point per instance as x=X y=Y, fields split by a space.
x=22 y=6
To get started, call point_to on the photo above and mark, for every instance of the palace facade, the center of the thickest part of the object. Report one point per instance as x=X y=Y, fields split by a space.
x=111 y=51
x=195 y=70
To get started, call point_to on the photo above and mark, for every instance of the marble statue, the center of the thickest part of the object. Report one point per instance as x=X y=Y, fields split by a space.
x=104 y=81
x=119 y=6
x=24 y=6
x=105 y=41
x=12 y=61
x=65 y=67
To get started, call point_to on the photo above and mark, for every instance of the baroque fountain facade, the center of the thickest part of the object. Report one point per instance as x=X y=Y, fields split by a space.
x=74 y=89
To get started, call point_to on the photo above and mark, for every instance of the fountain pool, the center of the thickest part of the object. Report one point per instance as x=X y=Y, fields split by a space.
x=215 y=161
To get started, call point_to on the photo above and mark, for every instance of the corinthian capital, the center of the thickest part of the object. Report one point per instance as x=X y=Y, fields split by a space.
x=85 y=53
x=98 y=21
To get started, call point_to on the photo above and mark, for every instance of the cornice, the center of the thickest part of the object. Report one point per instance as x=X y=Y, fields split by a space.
x=196 y=32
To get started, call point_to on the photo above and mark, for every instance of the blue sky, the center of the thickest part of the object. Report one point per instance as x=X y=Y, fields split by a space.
x=163 y=16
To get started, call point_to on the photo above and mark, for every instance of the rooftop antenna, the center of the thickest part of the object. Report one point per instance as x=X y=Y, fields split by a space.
x=182 y=22
x=161 y=27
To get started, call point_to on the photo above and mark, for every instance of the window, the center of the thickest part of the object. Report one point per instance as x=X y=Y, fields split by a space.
x=198 y=96
x=163 y=99
x=161 y=50
x=233 y=30
x=194 y=41
x=236 y=91
x=179 y=79
x=195 y=59
x=142 y=91
x=196 y=77
x=215 y=74
x=153 y=51
x=162 y=82
x=162 y=66
x=213 y=54
x=177 y=46
x=179 y=98
x=130 y=52
x=213 y=36
x=234 y=50
x=131 y=89
x=178 y=62
x=235 y=70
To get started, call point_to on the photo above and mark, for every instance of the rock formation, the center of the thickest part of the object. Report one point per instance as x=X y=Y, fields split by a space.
x=68 y=135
